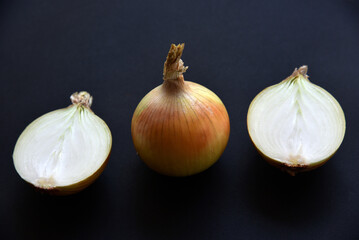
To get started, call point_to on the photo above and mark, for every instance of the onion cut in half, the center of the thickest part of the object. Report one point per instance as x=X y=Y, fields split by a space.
x=64 y=151
x=295 y=124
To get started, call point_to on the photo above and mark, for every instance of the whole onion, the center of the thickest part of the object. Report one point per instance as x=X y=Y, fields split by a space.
x=179 y=128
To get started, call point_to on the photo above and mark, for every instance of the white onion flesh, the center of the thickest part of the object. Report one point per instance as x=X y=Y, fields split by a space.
x=296 y=122
x=62 y=147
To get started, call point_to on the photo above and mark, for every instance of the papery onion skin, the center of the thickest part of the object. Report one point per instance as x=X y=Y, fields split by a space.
x=180 y=128
x=82 y=102
x=293 y=168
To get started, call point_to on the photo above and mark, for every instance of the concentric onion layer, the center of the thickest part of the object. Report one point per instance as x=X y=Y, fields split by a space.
x=296 y=123
x=181 y=133
x=63 y=148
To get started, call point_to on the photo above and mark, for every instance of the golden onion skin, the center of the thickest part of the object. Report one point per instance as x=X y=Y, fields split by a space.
x=180 y=128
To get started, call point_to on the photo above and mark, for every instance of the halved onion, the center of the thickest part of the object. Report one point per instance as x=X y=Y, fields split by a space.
x=296 y=125
x=64 y=151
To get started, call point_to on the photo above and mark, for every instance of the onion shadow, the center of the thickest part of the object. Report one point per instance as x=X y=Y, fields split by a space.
x=173 y=207
x=294 y=200
x=42 y=216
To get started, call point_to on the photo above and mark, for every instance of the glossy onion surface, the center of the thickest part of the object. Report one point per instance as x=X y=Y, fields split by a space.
x=180 y=129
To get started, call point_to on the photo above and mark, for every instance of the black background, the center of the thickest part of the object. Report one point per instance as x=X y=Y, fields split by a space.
x=115 y=50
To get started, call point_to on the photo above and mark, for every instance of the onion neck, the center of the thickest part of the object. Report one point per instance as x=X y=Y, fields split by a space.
x=81 y=99
x=174 y=68
x=299 y=73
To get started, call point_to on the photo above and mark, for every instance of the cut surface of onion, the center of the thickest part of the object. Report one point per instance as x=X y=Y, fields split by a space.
x=296 y=124
x=63 y=147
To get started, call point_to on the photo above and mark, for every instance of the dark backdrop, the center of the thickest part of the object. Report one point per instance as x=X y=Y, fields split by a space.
x=115 y=50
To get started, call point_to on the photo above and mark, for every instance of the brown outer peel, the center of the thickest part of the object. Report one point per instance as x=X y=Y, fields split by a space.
x=174 y=68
